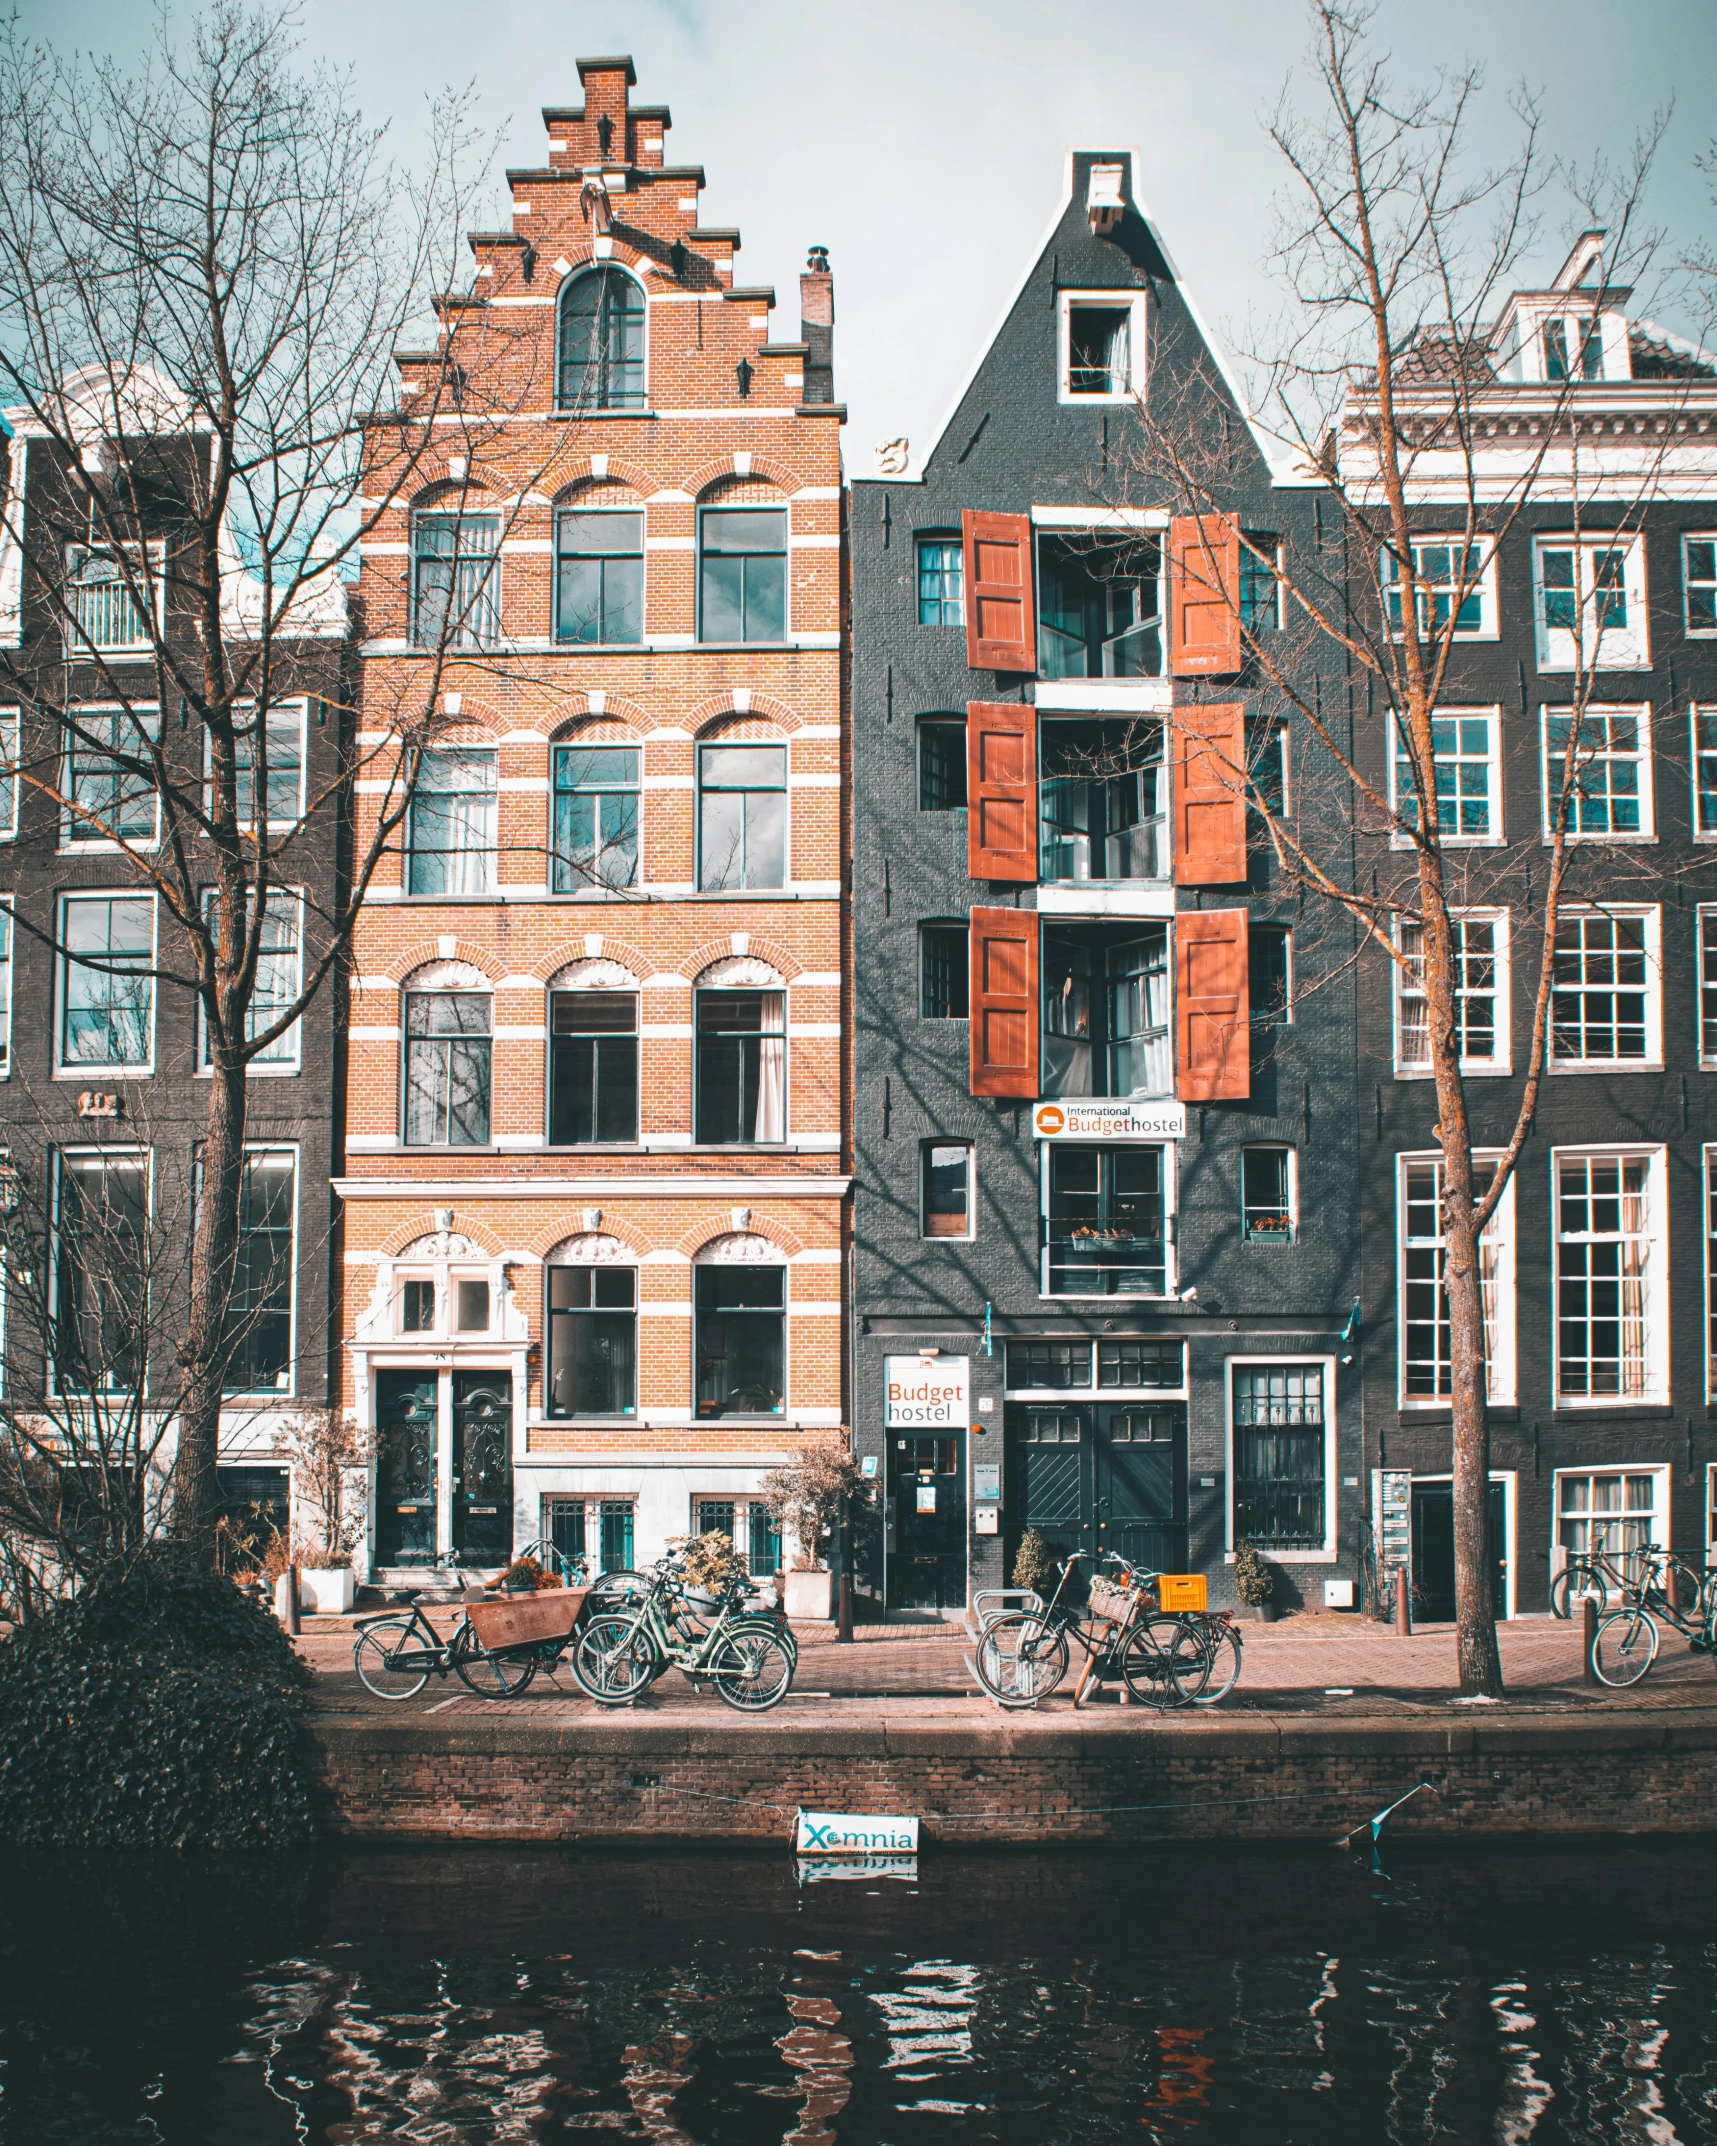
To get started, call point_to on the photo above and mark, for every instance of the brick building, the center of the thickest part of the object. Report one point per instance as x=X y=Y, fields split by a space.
x=593 y=1233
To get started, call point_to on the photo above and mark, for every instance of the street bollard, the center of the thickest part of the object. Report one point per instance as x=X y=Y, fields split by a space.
x=1403 y=1604
x=844 y=1613
x=1589 y=1644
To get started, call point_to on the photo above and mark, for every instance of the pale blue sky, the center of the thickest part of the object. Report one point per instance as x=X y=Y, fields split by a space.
x=921 y=140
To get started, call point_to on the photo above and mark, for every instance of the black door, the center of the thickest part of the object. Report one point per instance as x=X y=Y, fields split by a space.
x=928 y=1486
x=1045 y=1481
x=482 y=1467
x=405 y=1470
x=1434 y=1550
x=1138 y=1484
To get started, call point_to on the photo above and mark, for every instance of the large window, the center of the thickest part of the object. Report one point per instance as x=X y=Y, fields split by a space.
x=1454 y=581
x=1099 y=607
x=595 y=817
x=592 y=1341
x=1591 y=603
x=1270 y=975
x=741 y=1068
x=1608 y=792
x=1604 y=989
x=941 y=581
x=1260 y=582
x=1711 y=1277
x=101 y=1274
x=259 y=1314
x=1280 y=1456
x=942 y=764
x=107 y=983
x=447 y=1069
x=741 y=1340
x=1102 y=801
x=599 y=577
x=1480 y=949
x=742 y=816
x=1704 y=722
x=1708 y=986
x=593 y=1068
x=1609 y=1246
x=1611 y=1512
x=1106 y=1221
x=602 y=343
x=1423 y=1302
x=279 y=980
x=5 y=988
x=9 y=738
x=1466 y=772
x=945 y=1172
x=742 y=579
x=456 y=582
x=281 y=735
x=1106 y=1014
x=944 y=972
x=1699 y=582
x=451 y=841
x=110 y=789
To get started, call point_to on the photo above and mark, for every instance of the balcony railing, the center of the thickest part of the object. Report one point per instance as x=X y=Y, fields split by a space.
x=1108 y=1261
x=105 y=614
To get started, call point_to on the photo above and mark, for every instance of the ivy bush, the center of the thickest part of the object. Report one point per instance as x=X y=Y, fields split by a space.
x=159 y=1709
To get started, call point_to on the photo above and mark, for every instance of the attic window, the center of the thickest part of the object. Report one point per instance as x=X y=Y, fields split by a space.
x=1573 y=348
x=1103 y=202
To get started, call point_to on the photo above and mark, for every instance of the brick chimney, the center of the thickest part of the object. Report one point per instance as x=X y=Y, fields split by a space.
x=817 y=326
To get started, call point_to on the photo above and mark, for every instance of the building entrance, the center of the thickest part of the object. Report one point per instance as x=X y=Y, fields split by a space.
x=482 y=1467
x=405 y=1468
x=927 y=1494
x=1434 y=1550
x=1108 y=1476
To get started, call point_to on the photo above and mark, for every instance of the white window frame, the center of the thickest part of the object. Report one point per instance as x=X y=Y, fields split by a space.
x=1332 y=1480
x=1133 y=302
x=1510 y=1482
x=489 y=855
x=130 y=1152
x=1694 y=633
x=9 y=966
x=1493 y=837
x=290 y=1390
x=292 y=1059
x=1484 y=584
x=1171 y=1208
x=1549 y=767
x=1501 y=1342
x=70 y=842
x=11 y=730
x=83 y=1068
x=153 y=567
x=1711 y=1513
x=1662 y=1513
x=1501 y=993
x=1706 y=710
x=1274 y=1147
x=277 y=716
x=1708 y=1231
x=1655 y=1295
x=1626 y=648
x=1652 y=1062
x=1705 y=986
x=965 y=1236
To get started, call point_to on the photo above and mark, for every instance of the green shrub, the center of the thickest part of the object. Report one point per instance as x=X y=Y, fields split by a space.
x=1254 y=1582
x=1034 y=1567
x=160 y=1708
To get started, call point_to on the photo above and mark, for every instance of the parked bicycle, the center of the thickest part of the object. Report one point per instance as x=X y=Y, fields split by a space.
x=396 y=1654
x=745 y=1653
x=1628 y=1638
x=1164 y=1660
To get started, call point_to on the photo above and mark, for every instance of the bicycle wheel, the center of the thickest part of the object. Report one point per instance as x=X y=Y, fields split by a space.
x=1165 y=1662
x=391 y=1659
x=751 y=1670
x=490 y=1676
x=1020 y=1659
x=1569 y=1584
x=1625 y=1648
x=612 y=1661
x=1224 y=1667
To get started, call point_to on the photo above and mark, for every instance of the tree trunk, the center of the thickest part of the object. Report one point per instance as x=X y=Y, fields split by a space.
x=214 y=1249
x=1475 y=1610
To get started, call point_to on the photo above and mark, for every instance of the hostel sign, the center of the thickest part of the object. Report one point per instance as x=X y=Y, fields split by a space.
x=1107 y=1118
x=927 y=1393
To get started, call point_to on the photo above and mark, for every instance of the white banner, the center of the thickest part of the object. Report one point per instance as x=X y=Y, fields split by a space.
x=847 y=1833
x=1107 y=1118
x=927 y=1393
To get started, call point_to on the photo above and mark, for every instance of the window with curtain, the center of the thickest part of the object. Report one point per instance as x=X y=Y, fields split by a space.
x=1279 y=1456
x=741 y=1068
x=599 y=578
x=742 y=574
x=1426 y=1371
x=595 y=817
x=1610 y=1512
x=741 y=1321
x=456 y=580
x=107 y=985
x=1481 y=1009
x=5 y=988
x=1605 y=1278
x=447 y=1068
x=1106 y=1014
x=450 y=844
x=1102 y=801
x=593 y=1067
x=742 y=816
x=592 y=1341
x=279 y=979
x=602 y=342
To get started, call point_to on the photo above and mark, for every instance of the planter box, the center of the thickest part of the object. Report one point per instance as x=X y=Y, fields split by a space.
x=518 y=1620
x=809 y=1596
x=326 y=1594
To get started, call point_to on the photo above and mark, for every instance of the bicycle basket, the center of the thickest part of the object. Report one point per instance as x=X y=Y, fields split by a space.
x=1108 y=1600
x=523 y=1619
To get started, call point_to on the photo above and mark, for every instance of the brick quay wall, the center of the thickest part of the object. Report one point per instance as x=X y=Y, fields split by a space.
x=1020 y=1782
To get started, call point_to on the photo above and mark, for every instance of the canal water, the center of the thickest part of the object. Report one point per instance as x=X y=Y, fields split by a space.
x=463 y=1998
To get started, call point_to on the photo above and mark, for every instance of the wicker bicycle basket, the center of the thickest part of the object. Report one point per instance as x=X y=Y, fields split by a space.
x=1108 y=1600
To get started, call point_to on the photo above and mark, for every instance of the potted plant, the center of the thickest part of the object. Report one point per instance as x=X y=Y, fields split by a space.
x=1034 y=1565
x=712 y=1563
x=323 y=1446
x=810 y=1497
x=1254 y=1582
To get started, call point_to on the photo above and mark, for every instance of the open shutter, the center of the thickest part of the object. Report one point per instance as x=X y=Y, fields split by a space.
x=1204 y=558
x=1210 y=795
x=1001 y=790
x=1001 y=631
x=1004 y=1003
x=1212 y=1009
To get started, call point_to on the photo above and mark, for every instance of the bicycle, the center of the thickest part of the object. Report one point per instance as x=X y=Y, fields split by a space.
x=1627 y=1640
x=743 y=1653
x=395 y=1655
x=1022 y=1655
x=1626 y=1572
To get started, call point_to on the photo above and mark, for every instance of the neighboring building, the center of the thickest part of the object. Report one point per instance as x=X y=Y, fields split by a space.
x=594 y=1200
x=1600 y=1279
x=1104 y=1167
x=103 y=1096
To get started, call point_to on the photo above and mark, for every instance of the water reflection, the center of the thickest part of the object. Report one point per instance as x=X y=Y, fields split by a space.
x=1188 y=1995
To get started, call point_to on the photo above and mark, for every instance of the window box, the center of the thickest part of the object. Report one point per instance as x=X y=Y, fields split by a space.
x=1106 y=1221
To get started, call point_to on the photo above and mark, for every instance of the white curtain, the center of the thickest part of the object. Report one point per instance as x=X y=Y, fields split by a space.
x=771 y=1088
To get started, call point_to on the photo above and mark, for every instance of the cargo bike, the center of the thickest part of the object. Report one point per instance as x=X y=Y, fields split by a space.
x=498 y=1643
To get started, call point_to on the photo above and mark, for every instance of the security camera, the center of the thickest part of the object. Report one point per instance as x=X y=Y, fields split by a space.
x=1188 y=1295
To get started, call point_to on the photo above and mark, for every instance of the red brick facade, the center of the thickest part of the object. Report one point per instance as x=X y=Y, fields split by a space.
x=504 y=455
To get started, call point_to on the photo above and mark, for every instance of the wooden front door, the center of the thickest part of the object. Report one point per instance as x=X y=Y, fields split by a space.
x=405 y=1468
x=483 y=1467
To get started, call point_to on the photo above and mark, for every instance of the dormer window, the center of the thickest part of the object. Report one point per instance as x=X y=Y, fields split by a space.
x=1102 y=346
x=1573 y=347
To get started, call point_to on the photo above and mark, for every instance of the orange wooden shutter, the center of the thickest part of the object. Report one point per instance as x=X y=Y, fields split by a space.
x=1204 y=559
x=1001 y=629
x=1212 y=1009
x=1210 y=795
x=1004 y=1003
x=1001 y=790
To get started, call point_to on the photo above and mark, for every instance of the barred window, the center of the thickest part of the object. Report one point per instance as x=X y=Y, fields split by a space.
x=1279 y=1486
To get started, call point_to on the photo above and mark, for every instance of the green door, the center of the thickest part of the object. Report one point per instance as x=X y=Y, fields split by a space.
x=482 y=1467
x=1138 y=1484
x=927 y=1484
x=1045 y=1480
x=405 y=1472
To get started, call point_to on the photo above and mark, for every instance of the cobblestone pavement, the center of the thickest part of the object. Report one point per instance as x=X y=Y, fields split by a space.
x=1316 y=1665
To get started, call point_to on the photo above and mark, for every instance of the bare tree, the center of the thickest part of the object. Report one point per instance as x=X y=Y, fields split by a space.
x=1389 y=393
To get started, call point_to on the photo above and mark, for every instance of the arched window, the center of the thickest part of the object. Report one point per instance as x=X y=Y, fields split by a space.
x=448 y=1027
x=591 y=1313
x=602 y=343
x=739 y=1290
x=740 y=1077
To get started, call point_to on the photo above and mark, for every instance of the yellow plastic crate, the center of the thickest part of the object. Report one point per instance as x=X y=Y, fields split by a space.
x=1184 y=1591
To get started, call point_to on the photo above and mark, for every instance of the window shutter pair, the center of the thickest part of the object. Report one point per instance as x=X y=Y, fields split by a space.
x=1212 y=1010
x=1204 y=566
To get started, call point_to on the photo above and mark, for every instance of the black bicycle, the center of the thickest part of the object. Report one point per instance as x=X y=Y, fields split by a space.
x=1022 y=1655
x=396 y=1654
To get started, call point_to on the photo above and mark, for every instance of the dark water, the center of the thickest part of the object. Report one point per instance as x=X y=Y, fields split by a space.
x=515 y=1995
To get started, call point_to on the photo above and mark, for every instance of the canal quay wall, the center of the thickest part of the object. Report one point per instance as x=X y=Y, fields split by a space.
x=1020 y=1781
